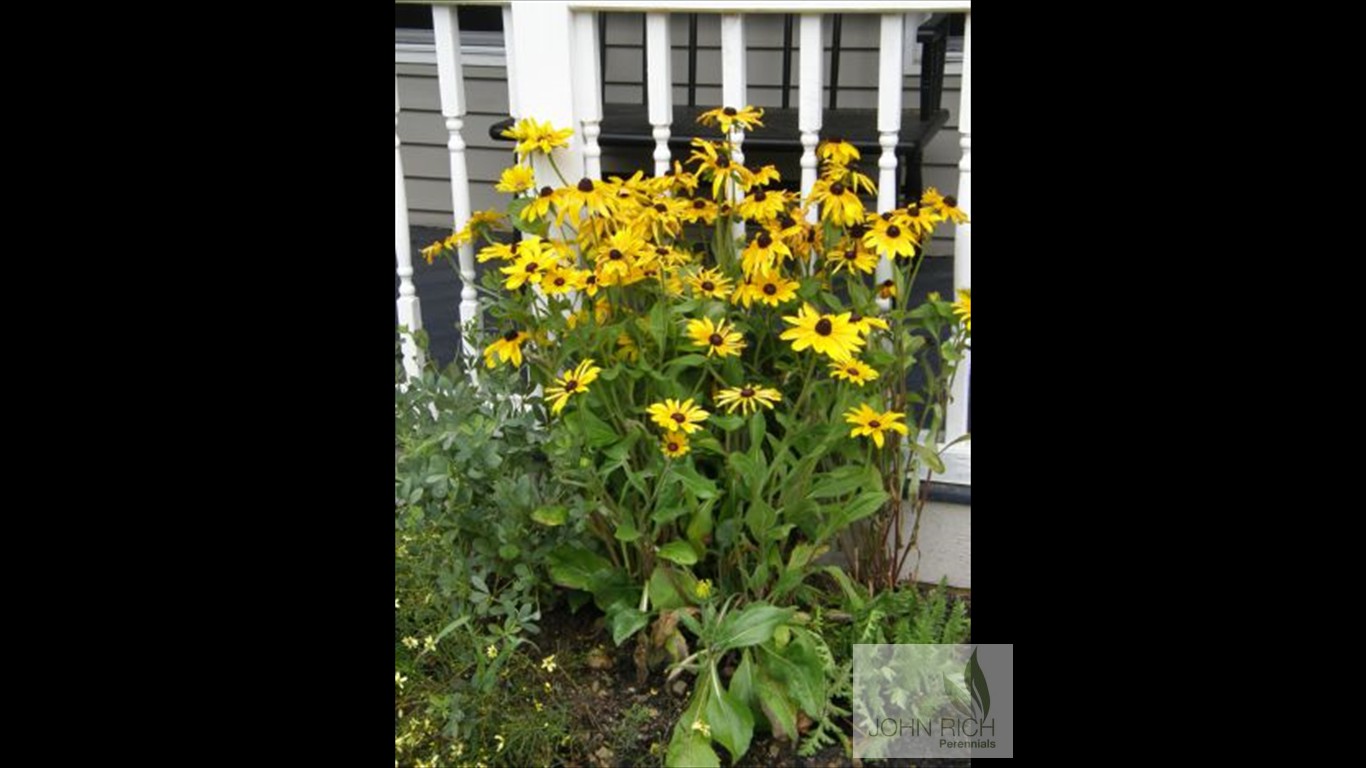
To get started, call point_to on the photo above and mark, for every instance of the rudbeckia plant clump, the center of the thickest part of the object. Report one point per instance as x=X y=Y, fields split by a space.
x=732 y=407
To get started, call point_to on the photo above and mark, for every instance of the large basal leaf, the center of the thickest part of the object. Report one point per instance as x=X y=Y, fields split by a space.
x=626 y=621
x=840 y=481
x=732 y=724
x=863 y=505
x=680 y=552
x=700 y=486
x=669 y=587
x=742 y=683
x=799 y=668
x=777 y=707
x=750 y=626
x=575 y=568
x=690 y=749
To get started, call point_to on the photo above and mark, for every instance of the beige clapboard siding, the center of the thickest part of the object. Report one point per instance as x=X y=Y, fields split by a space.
x=423 y=130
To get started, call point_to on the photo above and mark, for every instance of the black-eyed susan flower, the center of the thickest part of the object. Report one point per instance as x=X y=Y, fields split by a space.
x=963 y=308
x=763 y=205
x=539 y=207
x=747 y=398
x=532 y=136
x=710 y=283
x=518 y=178
x=837 y=151
x=674 y=444
x=774 y=289
x=432 y=251
x=852 y=258
x=590 y=194
x=698 y=211
x=617 y=256
x=830 y=335
x=559 y=279
x=727 y=117
x=854 y=371
x=745 y=294
x=571 y=383
x=533 y=259
x=500 y=251
x=508 y=348
x=763 y=254
x=674 y=416
x=869 y=423
x=719 y=339
x=717 y=166
x=889 y=239
x=864 y=324
x=920 y=218
x=839 y=205
x=765 y=176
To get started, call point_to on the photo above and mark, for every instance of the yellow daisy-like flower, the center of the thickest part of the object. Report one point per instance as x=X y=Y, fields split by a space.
x=590 y=194
x=626 y=348
x=617 y=256
x=766 y=175
x=948 y=208
x=774 y=289
x=852 y=258
x=432 y=251
x=507 y=348
x=854 y=371
x=539 y=207
x=889 y=238
x=718 y=167
x=548 y=663
x=837 y=151
x=500 y=251
x=763 y=254
x=830 y=335
x=674 y=444
x=571 y=383
x=746 y=294
x=518 y=178
x=865 y=325
x=763 y=205
x=868 y=422
x=839 y=205
x=674 y=416
x=747 y=398
x=560 y=280
x=719 y=339
x=532 y=136
x=727 y=117
x=491 y=651
x=963 y=308
x=533 y=259
x=920 y=218
x=699 y=211
x=702 y=590
x=710 y=282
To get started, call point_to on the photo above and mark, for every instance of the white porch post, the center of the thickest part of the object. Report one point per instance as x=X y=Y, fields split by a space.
x=734 y=90
x=587 y=92
x=809 y=91
x=956 y=420
x=451 y=82
x=540 y=50
x=889 y=82
x=660 y=96
x=409 y=311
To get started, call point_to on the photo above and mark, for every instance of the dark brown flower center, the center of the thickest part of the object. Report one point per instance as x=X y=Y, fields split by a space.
x=715 y=340
x=532 y=267
x=951 y=201
x=786 y=221
x=851 y=255
x=760 y=196
x=746 y=393
x=662 y=251
x=770 y=289
x=571 y=385
x=886 y=215
x=699 y=204
x=559 y=281
x=913 y=210
x=853 y=371
x=894 y=231
x=678 y=417
x=765 y=240
x=888 y=283
x=511 y=335
x=855 y=318
x=708 y=286
x=837 y=189
x=724 y=210
x=728 y=111
x=547 y=191
x=673 y=448
x=661 y=208
x=614 y=255
x=585 y=185
x=823 y=326
x=875 y=424
x=858 y=230
x=723 y=162
x=592 y=280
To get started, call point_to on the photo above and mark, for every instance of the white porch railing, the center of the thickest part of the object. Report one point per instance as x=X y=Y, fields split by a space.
x=553 y=74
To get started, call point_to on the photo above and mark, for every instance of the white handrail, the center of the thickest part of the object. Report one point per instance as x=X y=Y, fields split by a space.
x=451 y=81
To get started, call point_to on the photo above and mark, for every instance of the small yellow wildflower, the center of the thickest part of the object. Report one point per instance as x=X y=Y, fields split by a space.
x=674 y=444
x=428 y=644
x=674 y=416
x=518 y=178
x=571 y=383
x=703 y=728
x=410 y=642
x=498 y=737
x=747 y=398
x=727 y=117
x=548 y=663
x=854 y=371
x=491 y=651
x=703 y=591
x=400 y=679
x=869 y=423
x=831 y=335
x=532 y=136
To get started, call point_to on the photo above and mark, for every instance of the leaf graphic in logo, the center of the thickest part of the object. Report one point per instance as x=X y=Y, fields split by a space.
x=977 y=685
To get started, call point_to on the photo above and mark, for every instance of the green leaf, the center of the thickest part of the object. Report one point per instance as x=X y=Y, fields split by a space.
x=535 y=226
x=743 y=683
x=509 y=551
x=575 y=568
x=686 y=361
x=862 y=506
x=732 y=724
x=728 y=421
x=626 y=530
x=701 y=487
x=597 y=433
x=760 y=518
x=930 y=456
x=777 y=707
x=757 y=427
x=680 y=552
x=552 y=515
x=690 y=749
x=701 y=525
x=667 y=513
x=669 y=587
x=751 y=626
x=800 y=668
x=627 y=621
x=840 y=481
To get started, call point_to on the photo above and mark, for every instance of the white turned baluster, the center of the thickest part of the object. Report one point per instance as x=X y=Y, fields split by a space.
x=451 y=82
x=660 y=76
x=809 y=103
x=734 y=89
x=409 y=311
x=540 y=49
x=587 y=91
x=889 y=81
x=956 y=420
x=511 y=65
